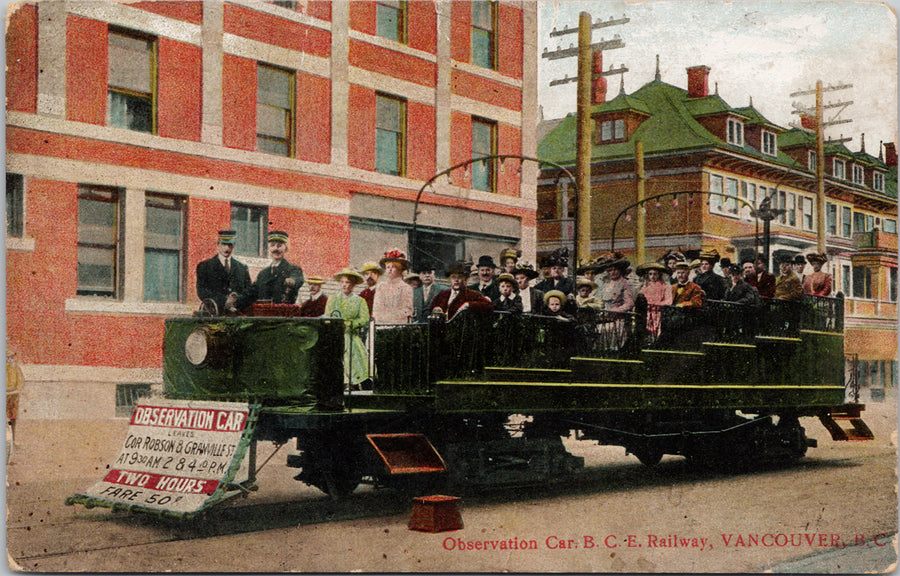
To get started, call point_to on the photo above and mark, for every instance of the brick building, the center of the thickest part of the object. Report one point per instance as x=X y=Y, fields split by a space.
x=694 y=141
x=136 y=131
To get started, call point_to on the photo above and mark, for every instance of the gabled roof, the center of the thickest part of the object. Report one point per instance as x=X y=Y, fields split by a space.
x=755 y=118
x=622 y=103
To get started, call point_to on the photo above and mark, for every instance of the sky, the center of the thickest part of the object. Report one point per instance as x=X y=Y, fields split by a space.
x=755 y=49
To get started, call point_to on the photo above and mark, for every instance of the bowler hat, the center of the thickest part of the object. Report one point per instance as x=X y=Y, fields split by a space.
x=459 y=268
x=486 y=262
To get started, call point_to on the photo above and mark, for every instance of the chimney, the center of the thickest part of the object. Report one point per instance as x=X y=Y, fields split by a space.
x=598 y=84
x=697 y=81
x=890 y=154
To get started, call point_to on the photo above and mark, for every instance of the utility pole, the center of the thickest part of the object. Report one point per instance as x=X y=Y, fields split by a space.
x=584 y=77
x=817 y=118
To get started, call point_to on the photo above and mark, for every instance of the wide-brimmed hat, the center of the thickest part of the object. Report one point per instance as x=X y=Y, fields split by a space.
x=486 y=262
x=351 y=275
x=315 y=280
x=709 y=254
x=596 y=264
x=371 y=267
x=526 y=269
x=694 y=263
x=682 y=265
x=506 y=277
x=459 y=268
x=227 y=236
x=823 y=258
x=582 y=281
x=559 y=257
x=278 y=236
x=618 y=261
x=555 y=294
x=410 y=277
x=675 y=254
x=784 y=258
x=648 y=266
x=395 y=256
x=513 y=253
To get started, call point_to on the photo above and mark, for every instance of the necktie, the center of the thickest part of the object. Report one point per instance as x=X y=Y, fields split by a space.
x=228 y=266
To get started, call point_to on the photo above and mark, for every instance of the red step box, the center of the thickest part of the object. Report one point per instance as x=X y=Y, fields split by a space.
x=436 y=514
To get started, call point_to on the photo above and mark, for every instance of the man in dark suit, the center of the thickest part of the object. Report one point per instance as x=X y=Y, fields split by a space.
x=280 y=281
x=223 y=279
x=712 y=284
x=765 y=282
x=458 y=298
x=424 y=294
x=486 y=284
x=315 y=305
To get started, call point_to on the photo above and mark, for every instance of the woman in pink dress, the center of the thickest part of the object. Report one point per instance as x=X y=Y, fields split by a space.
x=818 y=283
x=657 y=292
x=393 y=303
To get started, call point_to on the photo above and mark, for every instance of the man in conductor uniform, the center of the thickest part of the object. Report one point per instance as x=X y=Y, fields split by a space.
x=280 y=281
x=223 y=279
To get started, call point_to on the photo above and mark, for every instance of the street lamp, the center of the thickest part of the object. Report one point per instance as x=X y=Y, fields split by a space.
x=766 y=213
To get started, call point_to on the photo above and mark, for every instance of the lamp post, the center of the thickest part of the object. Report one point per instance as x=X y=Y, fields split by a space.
x=766 y=213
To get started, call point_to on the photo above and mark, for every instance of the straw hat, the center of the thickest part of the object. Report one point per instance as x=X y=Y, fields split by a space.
x=372 y=267
x=314 y=280
x=582 y=281
x=648 y=266
x=352 y=275
x=555 y=294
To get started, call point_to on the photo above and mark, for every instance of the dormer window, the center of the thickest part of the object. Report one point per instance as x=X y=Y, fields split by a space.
x=878 y=181
x=735 y=132
x=811 y=160
x=857 y=171
x=769 y=146
x=612 y=130
x=838 y=169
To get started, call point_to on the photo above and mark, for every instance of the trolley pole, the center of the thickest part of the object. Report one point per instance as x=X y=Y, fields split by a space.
x=583 y=141
x=820 y=173
x=641 y=220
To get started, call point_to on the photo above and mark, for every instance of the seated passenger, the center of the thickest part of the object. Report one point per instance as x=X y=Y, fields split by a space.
x=458 y=297
x=712 y=284
x=818 y=283
x=532 y=298
x=584 y=294
x=507 y=300
x=787 y=285
x=617 y=295
x=554 y=305
x=315 y=305
x=355 y=313
x=686 y=294
x=741 y=292
x=657 y=292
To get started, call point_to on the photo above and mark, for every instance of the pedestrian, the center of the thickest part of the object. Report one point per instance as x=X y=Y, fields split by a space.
x=314 y=306
x=352 y=309
x=507 y=299
x=458 y=297
x=532 y=298
x=280 y=281
x=223 y=279
x=799 y=267
x=818 y=283
x=669 y=260
x=486 y=284
x=393 y=302
x=371 y=272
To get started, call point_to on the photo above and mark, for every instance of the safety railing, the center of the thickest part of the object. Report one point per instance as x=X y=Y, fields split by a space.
x=602 y=333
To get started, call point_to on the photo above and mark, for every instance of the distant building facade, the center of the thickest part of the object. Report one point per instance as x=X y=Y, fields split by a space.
x=136 y=131
x=694 y=141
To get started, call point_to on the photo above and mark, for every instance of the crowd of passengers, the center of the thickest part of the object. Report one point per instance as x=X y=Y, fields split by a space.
x=392 y=294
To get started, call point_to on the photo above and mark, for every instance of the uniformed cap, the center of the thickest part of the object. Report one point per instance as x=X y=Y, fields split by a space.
x=227 y=236
x=278 y=236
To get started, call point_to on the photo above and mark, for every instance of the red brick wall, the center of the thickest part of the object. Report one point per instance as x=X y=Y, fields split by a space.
x=460 y=31
x=421 y=138
x=313 y=104
x=319 y=243
x=189 y=11
x=422 y=29
x=509 y=141
x=239 y=102
x=391 y=63
x=179 y=95
x=484 y=90
x=320 y=9
x=362 y=17
x=86 y=66
x=460 y=146
x=361 y=128
x=510 y=45
x=21 y=59
x=270 y=29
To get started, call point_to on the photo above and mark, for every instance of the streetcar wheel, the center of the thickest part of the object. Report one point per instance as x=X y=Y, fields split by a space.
x=648 y=455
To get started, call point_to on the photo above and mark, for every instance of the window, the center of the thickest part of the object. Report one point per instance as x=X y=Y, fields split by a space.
x=846 y=222
x=484 y=143
x=164 y=248
x=831 y=219
x=748 y=193
x=274 y=110
x=845 y=279
x=892 y=277
x=838 y=168
x=878 y=181
x=857 y=171
x=890 y=225
x=731 y=189
x=15 y=205
x=251 y=223
x=390 y=134
x=390 y=20
x=289 y=4
x=791 y=209
x=484 y=20
x=735 y=132
x=98 y=241
x=782 y=204
x=612 y=130
x=768 y=143
x=806 y=212
x=862 y=282
x=870 y=222
x=715 y=186
x=132 y=82
x=811 y=160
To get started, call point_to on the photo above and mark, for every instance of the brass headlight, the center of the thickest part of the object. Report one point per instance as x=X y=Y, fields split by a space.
x=208 y=346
